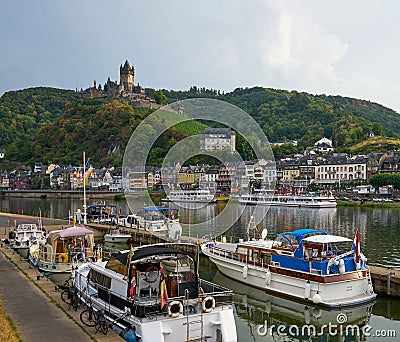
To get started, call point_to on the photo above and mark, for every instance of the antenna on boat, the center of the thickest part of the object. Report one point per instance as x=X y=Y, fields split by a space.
x=248 y=227
x=40 y=219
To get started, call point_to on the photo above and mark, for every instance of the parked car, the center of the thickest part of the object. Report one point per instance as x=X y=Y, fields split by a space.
x=356 y=199
x=344 y=198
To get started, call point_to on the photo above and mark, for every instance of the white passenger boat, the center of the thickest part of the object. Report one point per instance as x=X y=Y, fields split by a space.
x=304 y=201
x=153 y=219
x=23 y=235
x=62 y=251
x=190 y=196
x=115 y=235
x=306 y=264
x=157 y=292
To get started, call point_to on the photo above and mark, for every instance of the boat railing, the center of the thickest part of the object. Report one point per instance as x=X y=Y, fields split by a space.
x=72 y=255
x=150 y=308
x=232 y=255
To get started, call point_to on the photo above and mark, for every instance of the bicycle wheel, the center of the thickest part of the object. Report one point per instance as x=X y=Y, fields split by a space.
x=104 y=327
x=88 y=317
x=101 y=324
x=74 y=302
x=66 y=296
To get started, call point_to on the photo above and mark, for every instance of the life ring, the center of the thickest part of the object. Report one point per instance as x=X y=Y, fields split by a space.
x=208 y=304
x=63 y=258
x=177 y=311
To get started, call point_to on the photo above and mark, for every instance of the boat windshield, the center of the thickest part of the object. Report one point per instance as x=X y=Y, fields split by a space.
x=285 y=242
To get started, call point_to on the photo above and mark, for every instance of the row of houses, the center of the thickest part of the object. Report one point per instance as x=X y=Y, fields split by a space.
x=298 y=170
x=334 y=170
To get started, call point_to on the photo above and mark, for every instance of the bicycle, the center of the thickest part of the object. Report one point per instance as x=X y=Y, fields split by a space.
x=92 y=318
x=70 y=297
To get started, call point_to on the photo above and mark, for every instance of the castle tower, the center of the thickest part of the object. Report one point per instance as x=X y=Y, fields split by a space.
x=127 y=76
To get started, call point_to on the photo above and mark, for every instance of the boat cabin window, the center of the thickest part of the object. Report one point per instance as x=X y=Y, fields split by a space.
x=131 y=220
x=266 y=257
x=99 y=279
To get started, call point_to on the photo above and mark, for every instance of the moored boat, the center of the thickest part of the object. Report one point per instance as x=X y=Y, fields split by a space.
x=190 y=196
x=155 y=219
x=157 y=293
x=115 y=235
x=24 y=234
x=62 y=251
x=302 y=200
x=306 y=264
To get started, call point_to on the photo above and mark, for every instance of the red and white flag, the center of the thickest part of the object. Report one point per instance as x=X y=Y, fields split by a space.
x=356 y=246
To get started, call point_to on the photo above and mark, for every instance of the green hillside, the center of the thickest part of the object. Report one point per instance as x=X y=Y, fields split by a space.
x=304 y=117
x=23 y=112
x=46 y=124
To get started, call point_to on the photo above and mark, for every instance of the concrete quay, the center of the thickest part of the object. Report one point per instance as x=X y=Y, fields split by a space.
x=36 y=308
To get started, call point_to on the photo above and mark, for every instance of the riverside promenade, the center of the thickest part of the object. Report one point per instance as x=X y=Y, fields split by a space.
x=34 y=305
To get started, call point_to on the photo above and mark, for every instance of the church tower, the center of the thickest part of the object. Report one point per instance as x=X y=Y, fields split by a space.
x=127 y=77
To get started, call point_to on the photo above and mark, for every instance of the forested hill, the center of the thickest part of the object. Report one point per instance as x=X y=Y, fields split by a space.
x=42 y=124
x=23 y=112
x=305 y=117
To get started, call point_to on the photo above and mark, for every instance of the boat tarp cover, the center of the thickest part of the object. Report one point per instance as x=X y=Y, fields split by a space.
x=147 y=252
x=74 y=231
x=326 y=239
x=299 y=234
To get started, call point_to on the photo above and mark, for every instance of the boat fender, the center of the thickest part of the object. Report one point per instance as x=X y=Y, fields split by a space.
x=208 y=304
x=341 y=266
x=307 y=315
x=268 y=277
x=362 y=263
x=316 y=298
x=175 y=309
x=33 y=251
x=245 y=271
x=98 y=255
x=307 y=289
x=63 y=258
x=268 y=307
x=316 y=313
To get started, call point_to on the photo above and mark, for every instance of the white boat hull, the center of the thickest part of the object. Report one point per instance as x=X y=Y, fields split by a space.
x=217 y=325
x=288 y=201
x=121 y=238
x=335 y=294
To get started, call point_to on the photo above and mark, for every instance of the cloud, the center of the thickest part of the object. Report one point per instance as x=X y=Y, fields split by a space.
x=311 y=46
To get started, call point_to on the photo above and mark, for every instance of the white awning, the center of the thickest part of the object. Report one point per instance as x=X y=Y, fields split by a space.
x=326 y=239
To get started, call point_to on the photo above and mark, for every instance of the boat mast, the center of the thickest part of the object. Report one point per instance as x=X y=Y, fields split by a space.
x=84 y=189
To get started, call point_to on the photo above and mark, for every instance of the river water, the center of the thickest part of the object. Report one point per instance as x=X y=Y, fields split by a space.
x=255 y=311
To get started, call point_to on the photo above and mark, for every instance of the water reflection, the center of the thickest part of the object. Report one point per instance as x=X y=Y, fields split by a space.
x=379 y=227
x=255 y=308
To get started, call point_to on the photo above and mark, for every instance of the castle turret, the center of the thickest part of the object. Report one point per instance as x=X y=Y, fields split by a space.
x=127 y=76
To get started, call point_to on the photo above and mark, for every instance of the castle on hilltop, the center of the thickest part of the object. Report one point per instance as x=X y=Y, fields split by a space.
x=124 y=91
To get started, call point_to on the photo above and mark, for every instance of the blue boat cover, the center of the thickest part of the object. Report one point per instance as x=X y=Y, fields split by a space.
x=300 y=234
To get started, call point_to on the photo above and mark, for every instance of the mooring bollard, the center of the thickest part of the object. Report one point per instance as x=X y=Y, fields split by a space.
x=388 y=282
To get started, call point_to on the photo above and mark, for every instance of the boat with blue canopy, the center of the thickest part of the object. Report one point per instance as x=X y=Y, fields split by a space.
x=306 y=264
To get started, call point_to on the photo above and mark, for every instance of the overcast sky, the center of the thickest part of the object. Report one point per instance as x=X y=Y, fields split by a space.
x=343 y=47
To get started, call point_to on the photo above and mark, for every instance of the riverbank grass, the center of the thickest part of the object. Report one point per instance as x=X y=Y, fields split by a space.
x=8 y=330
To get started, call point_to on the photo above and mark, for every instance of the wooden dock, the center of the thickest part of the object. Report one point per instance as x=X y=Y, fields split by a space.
x=143 y=237
x=385 y=281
